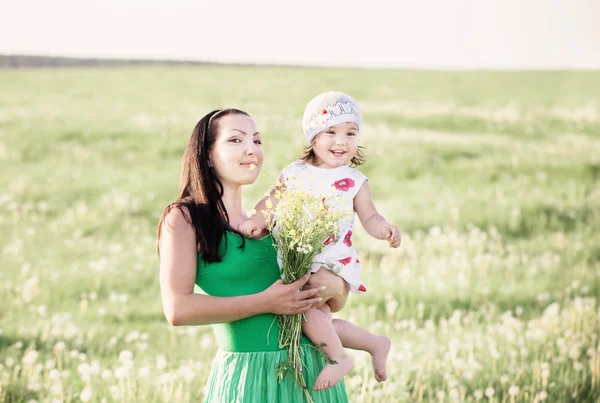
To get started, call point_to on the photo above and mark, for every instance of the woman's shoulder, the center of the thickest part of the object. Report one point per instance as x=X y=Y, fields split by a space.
x=177 y=217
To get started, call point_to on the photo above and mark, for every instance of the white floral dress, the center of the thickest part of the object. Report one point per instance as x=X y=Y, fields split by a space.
x=339 y=254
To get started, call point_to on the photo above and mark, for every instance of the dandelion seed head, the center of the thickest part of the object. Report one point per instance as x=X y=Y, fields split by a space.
x=86 y=394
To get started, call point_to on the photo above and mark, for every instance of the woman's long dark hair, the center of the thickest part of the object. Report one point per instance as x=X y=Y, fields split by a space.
x=201 y=191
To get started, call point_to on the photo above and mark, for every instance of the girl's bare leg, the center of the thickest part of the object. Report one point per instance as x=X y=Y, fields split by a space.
x=357 y=338
x=319 y=329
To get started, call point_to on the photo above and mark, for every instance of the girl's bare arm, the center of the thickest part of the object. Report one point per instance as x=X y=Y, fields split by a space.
x=374 y=223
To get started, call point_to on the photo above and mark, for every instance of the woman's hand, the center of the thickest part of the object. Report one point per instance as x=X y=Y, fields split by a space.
x=288 y=299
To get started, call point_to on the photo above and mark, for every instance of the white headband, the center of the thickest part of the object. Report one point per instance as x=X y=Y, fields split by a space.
x=329 y=109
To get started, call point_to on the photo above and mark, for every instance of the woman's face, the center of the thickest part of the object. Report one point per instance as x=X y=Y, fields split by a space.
x=237 y=153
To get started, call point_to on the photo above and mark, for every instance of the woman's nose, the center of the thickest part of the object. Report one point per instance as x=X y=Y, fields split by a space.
x=251 y=149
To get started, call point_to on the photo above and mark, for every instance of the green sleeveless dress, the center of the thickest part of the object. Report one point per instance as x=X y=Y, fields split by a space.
x=244 y=369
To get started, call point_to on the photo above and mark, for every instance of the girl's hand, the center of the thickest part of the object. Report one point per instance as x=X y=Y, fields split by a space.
x=288 y=299
x=392 y=235
x=250 y=229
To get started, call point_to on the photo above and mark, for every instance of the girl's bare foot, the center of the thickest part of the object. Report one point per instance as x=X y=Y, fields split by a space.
x=333 y=373
x=379 y=356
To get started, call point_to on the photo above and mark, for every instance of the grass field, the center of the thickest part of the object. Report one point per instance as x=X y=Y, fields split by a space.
x=493 y=178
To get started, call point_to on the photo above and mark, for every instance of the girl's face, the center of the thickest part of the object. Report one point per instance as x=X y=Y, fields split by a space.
x=237 y=154
x=336 y=146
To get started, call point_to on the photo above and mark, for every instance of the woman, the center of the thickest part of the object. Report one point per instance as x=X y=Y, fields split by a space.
x=199 y=245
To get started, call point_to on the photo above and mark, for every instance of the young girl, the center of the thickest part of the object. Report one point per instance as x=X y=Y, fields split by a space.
x=331 y=125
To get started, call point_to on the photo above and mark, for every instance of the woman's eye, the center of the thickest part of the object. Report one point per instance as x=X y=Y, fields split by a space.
x=258 y=142
x=235 y=140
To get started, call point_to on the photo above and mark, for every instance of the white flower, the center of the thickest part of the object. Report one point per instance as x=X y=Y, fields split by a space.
x=115 y=392
x=56 y=389
x=543 y=395
x=161 y=362
x=166 y=378
x=54 y=374
x=125 y=355
x=86 y=394
x=84 y=370
x=120 y=372
x=144 y=372
x=30 y=357
x=189 y=375
x=95 y=367
x=132 y=336
x=489 y=392
x=513 y=390
x=478 y=394
x=60 y=346
x=106 y=374
x=30 y=289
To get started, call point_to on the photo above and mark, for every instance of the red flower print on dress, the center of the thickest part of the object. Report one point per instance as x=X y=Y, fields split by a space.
x=344 y=184
x=362 y=288
x=329 y=240
x=347 y=240
x=345 y=261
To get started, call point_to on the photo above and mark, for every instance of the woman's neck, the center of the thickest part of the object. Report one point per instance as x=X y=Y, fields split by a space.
x=232 y=200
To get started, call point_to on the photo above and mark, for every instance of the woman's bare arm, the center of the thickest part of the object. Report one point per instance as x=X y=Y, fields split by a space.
x=181 y=306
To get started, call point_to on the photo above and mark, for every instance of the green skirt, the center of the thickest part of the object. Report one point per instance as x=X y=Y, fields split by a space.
x=250 y=377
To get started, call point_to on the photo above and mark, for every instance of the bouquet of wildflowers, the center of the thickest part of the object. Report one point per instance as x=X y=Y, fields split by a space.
x=300 y=223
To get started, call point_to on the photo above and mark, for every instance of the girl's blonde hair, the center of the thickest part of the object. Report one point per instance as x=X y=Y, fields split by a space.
x=308 y=155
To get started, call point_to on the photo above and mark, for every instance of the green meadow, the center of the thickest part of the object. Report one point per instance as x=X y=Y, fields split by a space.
x=492 y=177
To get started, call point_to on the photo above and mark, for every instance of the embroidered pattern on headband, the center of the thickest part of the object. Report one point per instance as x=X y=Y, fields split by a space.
x=330 y=107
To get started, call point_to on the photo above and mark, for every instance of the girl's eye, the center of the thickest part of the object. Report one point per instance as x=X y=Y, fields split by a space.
x=351 y=134
x=330 y=132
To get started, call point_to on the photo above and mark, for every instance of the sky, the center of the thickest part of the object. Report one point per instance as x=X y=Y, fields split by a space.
x=442 y=34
